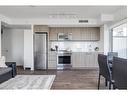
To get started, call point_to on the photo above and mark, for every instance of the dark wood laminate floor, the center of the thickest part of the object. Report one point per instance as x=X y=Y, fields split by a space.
x=69 y=79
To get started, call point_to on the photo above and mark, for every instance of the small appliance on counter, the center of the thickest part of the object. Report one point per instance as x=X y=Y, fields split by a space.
x=96 y=48
x=52 y=49
x=56 y=47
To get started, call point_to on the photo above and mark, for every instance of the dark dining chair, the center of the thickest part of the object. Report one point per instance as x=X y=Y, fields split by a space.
x=111 y=55
x=120 y=73
x=104 y=70
x=110 y=61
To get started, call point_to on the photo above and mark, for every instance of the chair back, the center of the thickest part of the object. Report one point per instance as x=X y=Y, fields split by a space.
x=104 y=69
x=120 y=73
x=111 y=55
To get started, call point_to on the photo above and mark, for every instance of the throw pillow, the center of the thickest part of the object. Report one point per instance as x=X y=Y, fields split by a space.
x=2 y=62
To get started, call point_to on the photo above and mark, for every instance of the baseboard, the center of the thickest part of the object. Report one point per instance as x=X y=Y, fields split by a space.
x=85 y=68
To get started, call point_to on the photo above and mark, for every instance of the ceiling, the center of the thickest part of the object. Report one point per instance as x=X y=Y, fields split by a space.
x=33 y=12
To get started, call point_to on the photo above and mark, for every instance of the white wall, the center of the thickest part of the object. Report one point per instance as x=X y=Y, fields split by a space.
x=106 y=39
x=101 y=41
x=5 y=19
x=13 y=45
x=104 y=43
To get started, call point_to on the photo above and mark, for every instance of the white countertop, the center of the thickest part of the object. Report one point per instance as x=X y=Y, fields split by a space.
x=81 y=52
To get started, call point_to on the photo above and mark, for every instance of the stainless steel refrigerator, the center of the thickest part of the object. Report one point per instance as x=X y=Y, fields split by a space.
x=40 y=50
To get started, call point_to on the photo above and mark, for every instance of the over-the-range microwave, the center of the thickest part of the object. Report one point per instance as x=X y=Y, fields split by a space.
x=64 y=36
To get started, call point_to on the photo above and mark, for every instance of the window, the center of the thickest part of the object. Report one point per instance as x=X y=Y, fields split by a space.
x=120 y=40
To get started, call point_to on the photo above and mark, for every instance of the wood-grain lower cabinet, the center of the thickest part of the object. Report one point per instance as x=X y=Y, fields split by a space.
x=84 y=59
x=90 y=59
x=77 y=60
x=52 y=60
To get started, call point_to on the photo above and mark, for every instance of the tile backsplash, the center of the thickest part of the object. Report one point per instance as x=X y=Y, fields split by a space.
x=74 y=46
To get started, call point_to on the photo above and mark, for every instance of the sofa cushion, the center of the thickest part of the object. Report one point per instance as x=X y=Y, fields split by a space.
x=4 y=70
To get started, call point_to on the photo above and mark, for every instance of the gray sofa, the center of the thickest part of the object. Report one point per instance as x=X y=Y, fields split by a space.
x=9 y=72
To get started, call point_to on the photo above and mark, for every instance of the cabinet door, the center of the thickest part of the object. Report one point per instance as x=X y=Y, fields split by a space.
x=67 y=30
x=40 y=28
x=73 y=59
x=76 y=34
x=73 y=35
x=83 y=59
x=94 y=33
x=87 y=60
x=60 y=29
x=52 y=64
x=97 y=34
x=96 y=60
x=92 y=60
x=87 y=33
x=78 y=60
x=53 y=34
x=52 y=57
x=52 y=60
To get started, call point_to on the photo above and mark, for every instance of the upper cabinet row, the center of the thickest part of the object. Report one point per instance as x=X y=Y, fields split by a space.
x=78 y=33
x=40 y=28
x=81 y=33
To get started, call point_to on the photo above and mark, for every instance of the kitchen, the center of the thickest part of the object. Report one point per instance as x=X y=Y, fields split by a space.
x=63 y=41
x=71 y=47
x=81 y=39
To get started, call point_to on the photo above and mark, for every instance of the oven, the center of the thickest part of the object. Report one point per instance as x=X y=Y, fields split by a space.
x=64 y=61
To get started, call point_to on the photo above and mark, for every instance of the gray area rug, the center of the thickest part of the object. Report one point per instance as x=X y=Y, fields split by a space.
x=29 y=82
